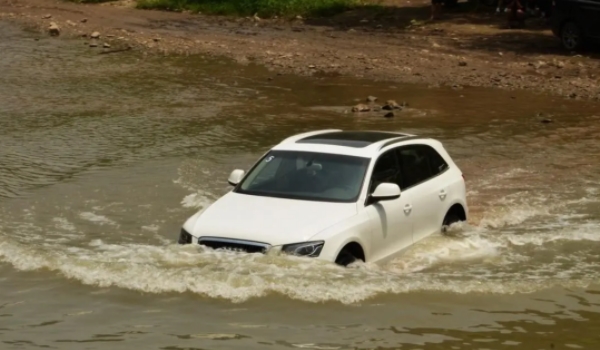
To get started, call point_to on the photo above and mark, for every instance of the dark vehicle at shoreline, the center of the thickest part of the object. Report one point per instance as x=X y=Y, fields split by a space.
x=576 y=22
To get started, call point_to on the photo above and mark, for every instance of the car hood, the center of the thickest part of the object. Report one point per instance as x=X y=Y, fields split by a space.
x=275 y=221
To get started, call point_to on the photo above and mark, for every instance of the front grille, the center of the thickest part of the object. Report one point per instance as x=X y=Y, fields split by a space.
x=184 y=237
x=233 y=245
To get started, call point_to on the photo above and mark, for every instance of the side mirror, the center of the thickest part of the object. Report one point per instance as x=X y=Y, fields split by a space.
x=385 y=191
x=236 y=176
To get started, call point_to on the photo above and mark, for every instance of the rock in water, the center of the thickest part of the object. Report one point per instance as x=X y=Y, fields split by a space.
x=53 y=29
x=389 y=115
x=106 y=45
x=371 y=99
x=95 y=35
x=391 y=104
x=360 y=108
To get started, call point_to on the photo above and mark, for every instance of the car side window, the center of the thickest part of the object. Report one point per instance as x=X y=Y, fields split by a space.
x=386 y=169
x=419 y=163
x=438 y=164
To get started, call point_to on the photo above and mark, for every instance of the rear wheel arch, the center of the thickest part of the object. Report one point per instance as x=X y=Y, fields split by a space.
x=456 y=213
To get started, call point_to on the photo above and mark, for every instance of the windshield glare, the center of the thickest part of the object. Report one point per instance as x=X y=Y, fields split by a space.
x=306 y=175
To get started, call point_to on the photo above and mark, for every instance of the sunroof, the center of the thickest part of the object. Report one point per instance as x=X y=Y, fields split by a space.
x=357 y=139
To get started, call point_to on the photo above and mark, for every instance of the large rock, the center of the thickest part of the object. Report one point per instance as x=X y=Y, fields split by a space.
x=54 y=29
x=95 y=35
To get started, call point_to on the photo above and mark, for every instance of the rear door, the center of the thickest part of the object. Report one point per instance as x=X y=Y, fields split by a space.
x=425 y=181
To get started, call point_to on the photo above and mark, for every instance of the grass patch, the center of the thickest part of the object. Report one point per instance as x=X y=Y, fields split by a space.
x=89 y=1
x=264 y=8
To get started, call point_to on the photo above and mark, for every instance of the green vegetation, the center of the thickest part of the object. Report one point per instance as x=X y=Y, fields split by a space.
x=89 y=1
x=264 y=8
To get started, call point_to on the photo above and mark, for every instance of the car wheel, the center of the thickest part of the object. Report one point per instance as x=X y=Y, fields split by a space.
x=345 y=258
x=570 y=36
x=450 y=219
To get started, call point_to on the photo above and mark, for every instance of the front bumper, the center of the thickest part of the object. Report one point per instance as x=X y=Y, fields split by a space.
x=246 y=246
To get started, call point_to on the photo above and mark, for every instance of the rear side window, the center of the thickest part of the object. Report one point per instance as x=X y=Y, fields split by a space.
x=438 y=164
x=418 y=164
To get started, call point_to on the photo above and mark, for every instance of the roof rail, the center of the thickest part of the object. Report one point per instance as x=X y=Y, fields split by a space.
x=400 y=139
x=297 y=137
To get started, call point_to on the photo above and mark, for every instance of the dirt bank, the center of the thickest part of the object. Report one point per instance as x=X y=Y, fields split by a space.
x=465 y=48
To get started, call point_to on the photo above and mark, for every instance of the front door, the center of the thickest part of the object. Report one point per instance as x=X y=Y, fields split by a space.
x=391 y=220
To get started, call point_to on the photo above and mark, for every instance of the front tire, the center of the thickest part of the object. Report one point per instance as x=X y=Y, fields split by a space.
x=571 y=37
x=345 y=258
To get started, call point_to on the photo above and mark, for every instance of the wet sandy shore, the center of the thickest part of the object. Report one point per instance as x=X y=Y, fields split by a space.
x=463 y=49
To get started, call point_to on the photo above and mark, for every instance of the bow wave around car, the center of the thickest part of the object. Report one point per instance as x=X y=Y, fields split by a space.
x=338 y=196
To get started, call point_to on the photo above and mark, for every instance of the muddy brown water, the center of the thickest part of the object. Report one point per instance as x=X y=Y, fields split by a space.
x=102 y=158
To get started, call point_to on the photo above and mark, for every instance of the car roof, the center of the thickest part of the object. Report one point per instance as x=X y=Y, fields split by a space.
x=364 y=143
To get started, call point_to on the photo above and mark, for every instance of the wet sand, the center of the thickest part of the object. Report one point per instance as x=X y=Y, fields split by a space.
x=466 y=48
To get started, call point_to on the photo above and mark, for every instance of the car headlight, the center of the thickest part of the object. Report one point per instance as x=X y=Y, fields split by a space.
x=312 y=249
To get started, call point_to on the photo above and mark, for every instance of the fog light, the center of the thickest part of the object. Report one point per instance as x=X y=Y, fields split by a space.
x=184 y=237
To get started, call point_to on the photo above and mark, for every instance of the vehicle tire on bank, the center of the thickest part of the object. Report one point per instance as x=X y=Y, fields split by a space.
x=571 y=36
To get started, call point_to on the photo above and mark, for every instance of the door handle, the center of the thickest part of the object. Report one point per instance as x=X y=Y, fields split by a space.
x=442 y=194
x=407 y=209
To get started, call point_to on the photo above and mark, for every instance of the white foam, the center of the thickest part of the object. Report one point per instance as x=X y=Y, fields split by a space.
x=97 y=219
x=581 y=232
x=151 y=228
x=196 y=200
x=63 y=224
x=239 y=277
x=516 y=208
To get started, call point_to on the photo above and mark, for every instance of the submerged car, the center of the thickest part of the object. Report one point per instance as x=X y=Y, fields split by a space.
x=338 y=196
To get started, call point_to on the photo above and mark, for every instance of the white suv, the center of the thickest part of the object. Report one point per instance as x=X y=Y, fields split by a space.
x=338 y=196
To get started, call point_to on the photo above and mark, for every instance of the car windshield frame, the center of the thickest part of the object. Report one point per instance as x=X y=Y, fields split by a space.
x=366 y=164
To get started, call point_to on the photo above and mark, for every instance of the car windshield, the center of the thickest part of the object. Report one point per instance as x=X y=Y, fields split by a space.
x=306 y=175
